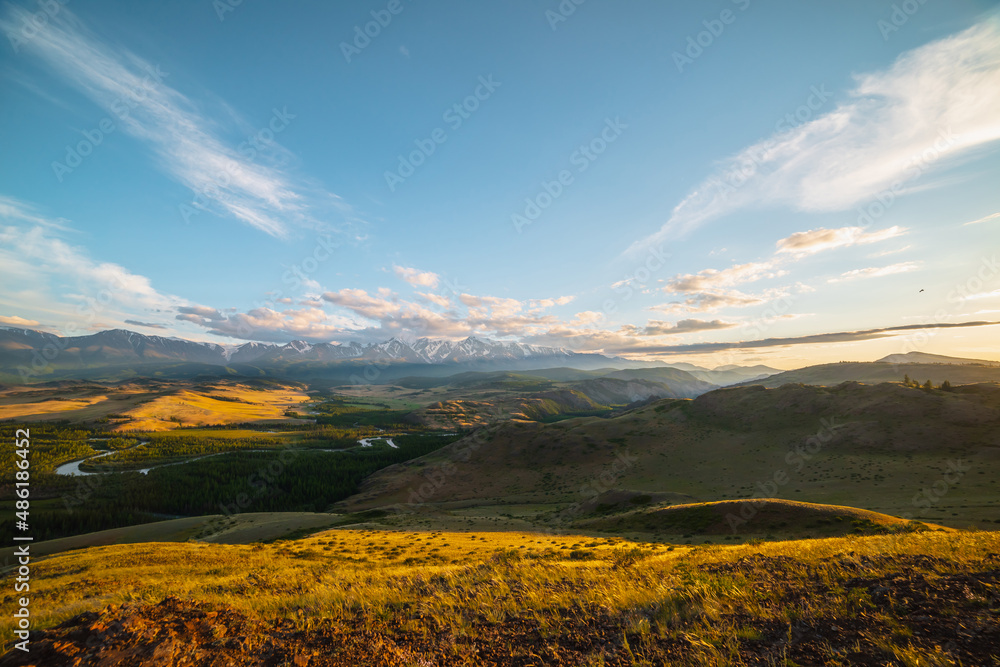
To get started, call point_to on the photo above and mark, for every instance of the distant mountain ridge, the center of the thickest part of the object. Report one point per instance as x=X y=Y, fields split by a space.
x=925 y=358
x=875 y=372
x=423 y=350
x=33 y=354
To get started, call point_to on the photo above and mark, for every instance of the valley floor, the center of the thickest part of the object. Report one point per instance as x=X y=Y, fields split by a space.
x=400 y=598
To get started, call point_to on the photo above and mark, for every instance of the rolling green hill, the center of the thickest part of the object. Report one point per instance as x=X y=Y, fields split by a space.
x=932 y=456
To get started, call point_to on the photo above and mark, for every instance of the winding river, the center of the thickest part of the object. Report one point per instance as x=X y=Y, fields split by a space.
x=72 y=469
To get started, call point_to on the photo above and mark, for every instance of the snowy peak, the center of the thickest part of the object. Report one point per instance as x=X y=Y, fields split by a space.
x=422 y=350
x=119 y=346
x=299 y=346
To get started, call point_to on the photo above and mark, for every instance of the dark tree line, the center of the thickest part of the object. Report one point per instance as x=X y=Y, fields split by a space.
x=289 y=480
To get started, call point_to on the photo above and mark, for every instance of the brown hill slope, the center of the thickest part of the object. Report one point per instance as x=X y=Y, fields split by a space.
x=763 y=516
x=877 y=447
x=872 y=373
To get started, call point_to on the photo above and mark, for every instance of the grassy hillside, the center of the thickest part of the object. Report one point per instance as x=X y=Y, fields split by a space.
x=397 y=599
x=872 y=373
x=931 y=456
x=766 y=515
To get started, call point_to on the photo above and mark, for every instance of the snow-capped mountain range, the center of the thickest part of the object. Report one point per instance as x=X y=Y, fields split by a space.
x=20 y=346
x=423 y=350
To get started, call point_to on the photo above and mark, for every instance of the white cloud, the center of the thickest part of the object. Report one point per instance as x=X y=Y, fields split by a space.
x=982 y=295
x=713 y=289
x=877 y=272
x=660 y=328
x=939 y=99
x=436 y=299
x=417 y=278
x=15 y=321
x=535 y=305
x=15 y=209
x=891 y=251
x=819 y=240
x=713 y=300
x=267 y=324
x=587 y=318
x=372 y=307
x=987 y=218
x=42 y=272
x=710 y=279
x=137 y=98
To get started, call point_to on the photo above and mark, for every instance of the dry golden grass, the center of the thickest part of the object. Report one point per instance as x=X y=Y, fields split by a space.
x=234 y=404
x=152 y=407
x=711 y=599
x=54 y=405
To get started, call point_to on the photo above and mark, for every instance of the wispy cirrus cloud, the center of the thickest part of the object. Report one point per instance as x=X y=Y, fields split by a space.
x=868 y=143
x=995 y=294
x=713 y=300
x=891 y=251
x=660 y=328
x=819 y=240
x=988 y=218
x=145 y=325
x=877 y=271
x=12 y=209
x=42 y=272
x=185 y=142
x=811 y=339
x=710 y=279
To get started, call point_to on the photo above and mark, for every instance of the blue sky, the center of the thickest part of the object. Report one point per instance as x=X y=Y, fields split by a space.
x=660 y=180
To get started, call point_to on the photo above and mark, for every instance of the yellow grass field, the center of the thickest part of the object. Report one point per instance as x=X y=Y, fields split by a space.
x=54 y=405
x=405 y=598
x=193 y=408
x=152 y=406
